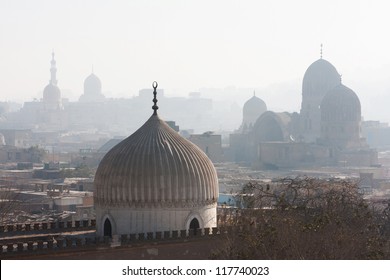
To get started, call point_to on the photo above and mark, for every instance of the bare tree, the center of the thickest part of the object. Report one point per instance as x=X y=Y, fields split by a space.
x=305 y=218
x=8 y=204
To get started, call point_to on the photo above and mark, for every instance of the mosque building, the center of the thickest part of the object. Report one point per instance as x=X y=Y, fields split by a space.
x=326 y=132
x=52 y=93
x=319 y=78
x=92 y=90
x=155 y=180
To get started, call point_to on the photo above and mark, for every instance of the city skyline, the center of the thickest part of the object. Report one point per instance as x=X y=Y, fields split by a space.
x=190 y=45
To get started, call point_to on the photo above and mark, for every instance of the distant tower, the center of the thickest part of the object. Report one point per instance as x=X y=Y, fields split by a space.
x=51 y=93
x=319 y=78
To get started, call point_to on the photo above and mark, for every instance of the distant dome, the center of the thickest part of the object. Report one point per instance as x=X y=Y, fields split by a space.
x=319 y=78
x=92 y=85
x=255 y=105
x=252 y=110
x=341 y=118
x=51 y=94
x=341 y=104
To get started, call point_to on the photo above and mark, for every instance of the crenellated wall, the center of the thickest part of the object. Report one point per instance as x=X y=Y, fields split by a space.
x=77 y=244
x=46 y=227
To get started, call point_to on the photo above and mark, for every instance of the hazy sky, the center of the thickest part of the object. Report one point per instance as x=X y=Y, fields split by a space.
x=188 y=45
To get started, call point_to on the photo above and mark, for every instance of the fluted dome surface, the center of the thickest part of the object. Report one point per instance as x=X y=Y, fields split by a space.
x=155 y=166
x=341 y=104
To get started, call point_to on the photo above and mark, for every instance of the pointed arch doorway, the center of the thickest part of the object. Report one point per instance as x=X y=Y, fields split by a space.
x=194 y=224
x=107 y=228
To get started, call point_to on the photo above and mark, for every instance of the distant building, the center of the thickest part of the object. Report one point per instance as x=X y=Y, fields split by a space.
x=92 y=90
x=210 y=144
x=326 y=132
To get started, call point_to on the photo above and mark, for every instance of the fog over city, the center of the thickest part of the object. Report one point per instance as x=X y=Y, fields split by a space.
x=194 y=129
x=194 y=46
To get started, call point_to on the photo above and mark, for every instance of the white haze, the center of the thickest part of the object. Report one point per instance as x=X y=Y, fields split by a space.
x=192 y=45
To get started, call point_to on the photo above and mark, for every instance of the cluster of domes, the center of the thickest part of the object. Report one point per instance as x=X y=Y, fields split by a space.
x=329 y=110
x=52 y=93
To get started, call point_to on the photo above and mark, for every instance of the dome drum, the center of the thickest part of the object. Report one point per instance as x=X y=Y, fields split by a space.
x=142 y=220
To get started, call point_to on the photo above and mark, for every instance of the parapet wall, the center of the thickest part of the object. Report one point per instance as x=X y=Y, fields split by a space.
x=46 y=227
x=9 y=249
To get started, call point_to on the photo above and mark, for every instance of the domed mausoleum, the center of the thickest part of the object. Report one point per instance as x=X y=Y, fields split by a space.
x=320 y=77
x=252 y=110
x=340 y=117
x=92 y=90
x=155 y=180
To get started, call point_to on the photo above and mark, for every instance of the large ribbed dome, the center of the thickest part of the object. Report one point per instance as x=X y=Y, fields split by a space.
x=156 y=167
x=319 y=78
x=341 y=104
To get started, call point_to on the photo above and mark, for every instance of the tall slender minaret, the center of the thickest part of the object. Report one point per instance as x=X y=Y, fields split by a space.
x=53 y=70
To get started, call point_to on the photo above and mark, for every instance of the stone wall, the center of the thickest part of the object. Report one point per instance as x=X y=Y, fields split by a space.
x=74 y=246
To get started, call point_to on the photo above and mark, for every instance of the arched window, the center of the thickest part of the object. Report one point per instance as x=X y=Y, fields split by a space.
x=107 y=228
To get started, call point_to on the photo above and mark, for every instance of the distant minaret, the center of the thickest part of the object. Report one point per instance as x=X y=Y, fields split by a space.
x=53 y=70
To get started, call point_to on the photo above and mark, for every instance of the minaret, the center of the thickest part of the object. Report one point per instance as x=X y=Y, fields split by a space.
x=53 y=70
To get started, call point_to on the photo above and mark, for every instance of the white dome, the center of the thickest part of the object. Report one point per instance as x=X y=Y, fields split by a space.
x=155 y=166
x=155 y=180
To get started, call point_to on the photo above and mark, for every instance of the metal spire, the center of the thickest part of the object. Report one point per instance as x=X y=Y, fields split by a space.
x=321 y=51
x=155 y=107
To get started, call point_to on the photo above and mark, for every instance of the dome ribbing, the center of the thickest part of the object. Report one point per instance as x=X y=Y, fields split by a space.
x=156 y=167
